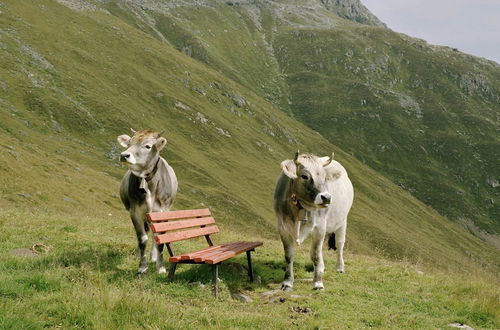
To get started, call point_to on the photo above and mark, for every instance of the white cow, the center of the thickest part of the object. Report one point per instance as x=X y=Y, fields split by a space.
x=313 y=195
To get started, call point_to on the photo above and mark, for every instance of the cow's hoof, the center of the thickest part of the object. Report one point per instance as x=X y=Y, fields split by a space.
x=286 y=287
x=162 y=270
x=318 y=286
x=340 y=270
x=142 y=270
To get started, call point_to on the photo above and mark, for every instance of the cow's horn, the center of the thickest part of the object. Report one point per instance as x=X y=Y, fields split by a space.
x=133 y=130
x=296 y=158
x=160 y=134
x=329 y=161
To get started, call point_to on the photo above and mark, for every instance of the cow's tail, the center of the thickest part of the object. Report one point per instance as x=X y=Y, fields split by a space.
x=331 y=242
x=146 y=226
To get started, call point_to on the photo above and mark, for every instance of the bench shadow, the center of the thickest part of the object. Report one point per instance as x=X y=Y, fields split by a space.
x=111 y=259
x=234 y=275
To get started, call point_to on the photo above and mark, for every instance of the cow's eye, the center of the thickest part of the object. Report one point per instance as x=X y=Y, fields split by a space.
x=305 y=177
x=148 y=146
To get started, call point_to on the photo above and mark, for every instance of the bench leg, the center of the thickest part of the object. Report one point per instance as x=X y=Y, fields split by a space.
x=215 y=279
x=171 y=271
x=250 y=270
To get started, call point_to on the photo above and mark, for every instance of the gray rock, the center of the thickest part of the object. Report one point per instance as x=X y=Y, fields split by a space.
x=199 y=90
x=25 y=195
x=492 y=182
x=241 y=297
x=3 y=86
x=277 y=300
x=113 y=153
x=460 y=326
x=352 y=10
x=56 y=126
x=196 y=284
x=270 y=293
x=181 y=105
x=201 y=118
x=301 y=310
x=239 y=101
x=223 y=132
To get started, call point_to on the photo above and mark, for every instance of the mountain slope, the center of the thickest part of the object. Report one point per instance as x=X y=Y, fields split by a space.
x=425 y=116
x=68 y=95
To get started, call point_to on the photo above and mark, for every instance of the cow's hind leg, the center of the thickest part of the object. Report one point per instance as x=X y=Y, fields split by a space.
x=318 y=236
x=142 y=240
x=288 y=246
x=340 y=240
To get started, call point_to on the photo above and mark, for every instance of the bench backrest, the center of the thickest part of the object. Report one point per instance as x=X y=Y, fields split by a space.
x=172 y=226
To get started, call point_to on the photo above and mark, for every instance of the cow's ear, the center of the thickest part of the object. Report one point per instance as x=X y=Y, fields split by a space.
x=123 y=140
x=289 y=168
x=332 y=172
x=160 y=143
x=323 y=160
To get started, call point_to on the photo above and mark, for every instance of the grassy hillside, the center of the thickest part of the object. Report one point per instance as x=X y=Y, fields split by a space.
x=87 y=280
x=424 y=116
x=66 y=93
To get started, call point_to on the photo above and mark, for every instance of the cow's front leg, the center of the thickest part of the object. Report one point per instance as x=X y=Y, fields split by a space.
x=142 y=239
x=157 y=250
x=318 y=236
x=289 y=247
x=160 y=263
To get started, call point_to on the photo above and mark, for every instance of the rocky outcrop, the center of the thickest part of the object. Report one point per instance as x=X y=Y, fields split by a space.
x=352 y=10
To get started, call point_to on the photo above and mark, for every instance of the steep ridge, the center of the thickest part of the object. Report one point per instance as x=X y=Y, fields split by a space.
x=67 y=93
x=424 y=116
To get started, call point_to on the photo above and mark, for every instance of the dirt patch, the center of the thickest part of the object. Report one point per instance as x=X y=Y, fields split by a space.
x=301 y=310
x=23 y=252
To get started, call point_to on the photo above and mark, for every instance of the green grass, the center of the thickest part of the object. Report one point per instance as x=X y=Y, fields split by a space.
x=60 y=179
x=87 y=280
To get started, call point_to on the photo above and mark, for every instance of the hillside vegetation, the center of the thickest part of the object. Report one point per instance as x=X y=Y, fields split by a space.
x=426 y=117
x=73 y=78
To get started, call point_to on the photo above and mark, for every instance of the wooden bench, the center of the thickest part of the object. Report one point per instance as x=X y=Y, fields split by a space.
x=173 y=226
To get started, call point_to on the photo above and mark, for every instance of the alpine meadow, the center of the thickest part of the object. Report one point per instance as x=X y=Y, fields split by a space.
x=238 y=87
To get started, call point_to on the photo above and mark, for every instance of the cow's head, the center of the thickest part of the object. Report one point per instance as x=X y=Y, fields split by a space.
x=143 y=149
x=310 y=175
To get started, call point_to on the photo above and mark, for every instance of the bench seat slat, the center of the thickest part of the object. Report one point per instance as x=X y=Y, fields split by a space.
x=186 y=234
x=228 y=247
x=229 y=254
x=192 y=255
x=176 y=215
x=187 y=256
x=223 y=254
x=181 y=224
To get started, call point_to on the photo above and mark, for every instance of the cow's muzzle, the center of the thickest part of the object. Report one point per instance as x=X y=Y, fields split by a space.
x=323 y=200
x=124 y=157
